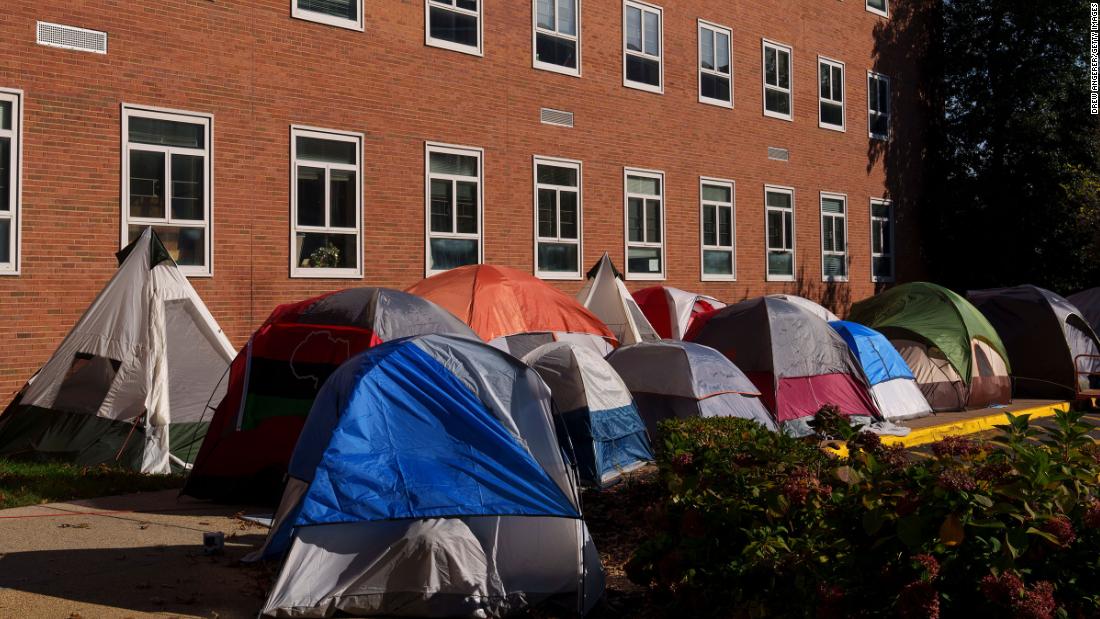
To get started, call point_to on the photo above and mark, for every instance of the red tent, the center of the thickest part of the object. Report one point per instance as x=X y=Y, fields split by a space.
x=671 y=310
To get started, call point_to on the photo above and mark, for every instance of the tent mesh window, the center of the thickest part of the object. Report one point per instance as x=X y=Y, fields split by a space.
x=86 y=384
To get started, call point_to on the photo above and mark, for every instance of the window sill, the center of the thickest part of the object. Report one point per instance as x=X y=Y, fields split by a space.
x=718 y=278
x=882 y=280
x=554 y=68
x=658 y=90
x=780 y=278
x=885 y=14
x=327 y=20
x=779 y=116
x=879 y=137
x=9 y=272
x=834 y=280
x=837 y=128
x=324 y=274
x=561 y=277
x=717 y=102
x=645 y=277
x=454 y=47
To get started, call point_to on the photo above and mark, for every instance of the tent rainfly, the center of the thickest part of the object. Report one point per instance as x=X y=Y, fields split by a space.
x=606 y=296
x=797 y=362
x=1053 y=350
x=681 y=379
x=671 y=310
x=274 y=379
x=954 y=352
x=893 y=386
x=514 y=311
x=813 y=307
x=595 y=408
x=130 y=384
x=428 y=482
x=1087 y=303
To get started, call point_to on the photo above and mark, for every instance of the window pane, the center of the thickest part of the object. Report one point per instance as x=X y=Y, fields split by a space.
x=635 y=206
x=441 y=206
x=633 y=29
x=643 y=70
x=146 y=184
x=345 y=9
x=5 y=114
x=716 y=193
x=775 y=230
x=880 y=124
x=834 y=266
x=342 y=193
x=717 y=262
x=879 y=209
x=643 y=185
x=567 y=17
x=780 y=263
x=453 y=253
x=458 y=165
x=877 y=4
x=876 y=237
x=872 y=92
x=643 y=260
x=706 y=48
x=327 y=251
x=558 y=257
x=883 y=266
x=837 y=83
x=883 y=96
x=832 y=114
x=167 y=132
x=455 y=27
x=725 y=226
x=887 y=242
x=652 y=34
x=5 y=174
x=715 y=87
x=823 y=78
x=568 y=208
x=5 y=240
x=771 y=73
x=788 y=229
x=548 y=225
x=832 y=205
x=466 y=207
x=653 y=221
x=779 y=199
x=722 y=52
x=329 y=151
x=188 y=187
x=784 y=69
x=838 y=233
x=311 y=196
x=776 y=101
x=557 y=175
x=828 y=241
x=546 y=14
x=556 y=50
x=187 y=246
x=469 y=5
x=710 y=225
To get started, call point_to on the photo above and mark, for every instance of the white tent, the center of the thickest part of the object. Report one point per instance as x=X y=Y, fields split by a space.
x=606 y=296
x=130 y=383
x=671 y=311
x=814 y=308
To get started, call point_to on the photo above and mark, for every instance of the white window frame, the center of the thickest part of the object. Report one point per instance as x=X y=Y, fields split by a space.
x=871 y=9
x=794 y=234
x=196 y=118
x=297 y=131
x=891 y=220
x=466 y=151
x=535 y=30
x=844 y=254
x=660 y=176
x=714 y=28
x=764 y=45
x=329 y=20
x=703 y=247
x=645 y=7
x=832 y=64
x=579 y=241
x=873 y=113
x=430 y=41
x=15 y=182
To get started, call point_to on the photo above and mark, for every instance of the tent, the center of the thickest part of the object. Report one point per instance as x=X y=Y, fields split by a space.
x=514 y=311
x=130 y=383
x=671 y=310
x=606 y=296
x=595 y=409
x=1087 y=303
x=955 y=354
x=797 y=362
x=681 y=379
x=1053 y=350
x=893 y=386
x=428 y=482
x=811 y=306
x=274 y=379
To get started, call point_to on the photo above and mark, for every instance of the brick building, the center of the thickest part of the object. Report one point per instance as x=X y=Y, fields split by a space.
x=285 y=148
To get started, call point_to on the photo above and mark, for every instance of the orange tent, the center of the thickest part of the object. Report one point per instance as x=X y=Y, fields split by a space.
x=512 y=310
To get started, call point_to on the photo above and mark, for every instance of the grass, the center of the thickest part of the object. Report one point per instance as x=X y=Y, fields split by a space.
x=31 y=483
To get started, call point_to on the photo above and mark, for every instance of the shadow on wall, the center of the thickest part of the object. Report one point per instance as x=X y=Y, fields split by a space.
x=833 y=296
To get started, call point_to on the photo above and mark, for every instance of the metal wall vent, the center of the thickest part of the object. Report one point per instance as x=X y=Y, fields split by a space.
x=71 y=37
x=557 y=118
x=778 y=154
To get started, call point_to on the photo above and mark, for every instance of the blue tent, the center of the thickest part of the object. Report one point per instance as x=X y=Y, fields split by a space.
x=893 y=385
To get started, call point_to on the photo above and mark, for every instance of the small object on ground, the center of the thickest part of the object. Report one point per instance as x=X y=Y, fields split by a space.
x=213 y=542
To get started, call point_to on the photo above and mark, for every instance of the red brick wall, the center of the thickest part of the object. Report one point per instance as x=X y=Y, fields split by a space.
x=257 y=71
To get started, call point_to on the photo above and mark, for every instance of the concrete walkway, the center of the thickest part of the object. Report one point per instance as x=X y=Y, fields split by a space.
x=136 y=555
x=941 y=425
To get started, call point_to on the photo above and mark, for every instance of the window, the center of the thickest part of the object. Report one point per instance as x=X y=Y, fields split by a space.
x=11 y=133
x=326 y=214
x=716 y=199
x=645 y=223
x=779 y=213
x=834 y=237
x=878 y=102
x=879 y=7
x=454 y=25
x=341 y=13
x=166 y=167
x=86 y=384
x=558 y=218
x=715 y=83
x=557 y=36
x=830 y=75
x=882 y=241
x=642 y=46
x=777 y=81
x=453 y=206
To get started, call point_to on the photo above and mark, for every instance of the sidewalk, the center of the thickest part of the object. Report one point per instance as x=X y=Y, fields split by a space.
x=941 y=425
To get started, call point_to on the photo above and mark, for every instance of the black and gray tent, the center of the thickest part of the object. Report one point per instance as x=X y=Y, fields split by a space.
x=1087 y=303
x=1053 y=350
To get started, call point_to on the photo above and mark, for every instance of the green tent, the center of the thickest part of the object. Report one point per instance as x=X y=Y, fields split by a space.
x=950 y=346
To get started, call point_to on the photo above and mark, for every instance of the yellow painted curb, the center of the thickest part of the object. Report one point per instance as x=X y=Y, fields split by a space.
x=931 y=434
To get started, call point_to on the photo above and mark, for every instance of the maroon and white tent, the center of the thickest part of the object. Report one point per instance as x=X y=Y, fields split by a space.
x=794 y=358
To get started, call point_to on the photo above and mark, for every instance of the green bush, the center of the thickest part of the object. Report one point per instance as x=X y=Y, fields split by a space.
x=757 y=524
